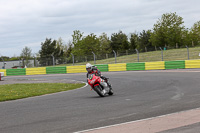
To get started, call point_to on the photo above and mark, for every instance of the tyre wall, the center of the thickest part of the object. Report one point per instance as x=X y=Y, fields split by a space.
x=140 y=66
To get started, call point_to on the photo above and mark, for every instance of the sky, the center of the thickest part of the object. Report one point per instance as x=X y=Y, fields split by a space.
x=29 y=22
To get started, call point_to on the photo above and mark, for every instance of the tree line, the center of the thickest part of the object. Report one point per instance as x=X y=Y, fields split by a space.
x=168 y=32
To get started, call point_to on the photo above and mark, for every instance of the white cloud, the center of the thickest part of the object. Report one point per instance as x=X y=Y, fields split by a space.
x=27 y=22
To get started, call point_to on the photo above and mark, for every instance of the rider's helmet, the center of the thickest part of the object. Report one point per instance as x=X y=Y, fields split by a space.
x=89 y=67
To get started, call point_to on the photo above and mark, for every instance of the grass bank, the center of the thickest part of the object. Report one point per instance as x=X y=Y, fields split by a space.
x=168 y=55
x=19 y=91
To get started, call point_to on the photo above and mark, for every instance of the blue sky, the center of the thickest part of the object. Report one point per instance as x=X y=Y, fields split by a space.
x=30 y=22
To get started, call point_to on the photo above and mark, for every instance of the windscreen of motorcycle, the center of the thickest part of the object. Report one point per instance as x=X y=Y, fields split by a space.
x=90 y=76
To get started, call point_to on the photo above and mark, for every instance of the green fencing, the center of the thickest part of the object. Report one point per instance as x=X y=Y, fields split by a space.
x=103 y=67
x=15 y=72
x=174 y=64
x=56 y=70
x=135 y=66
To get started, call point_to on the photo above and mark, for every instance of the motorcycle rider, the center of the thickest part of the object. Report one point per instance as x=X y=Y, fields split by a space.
x=93 y=69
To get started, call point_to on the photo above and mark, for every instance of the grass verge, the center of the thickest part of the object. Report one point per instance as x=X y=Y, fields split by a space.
x=168 y=55
x=19 y=91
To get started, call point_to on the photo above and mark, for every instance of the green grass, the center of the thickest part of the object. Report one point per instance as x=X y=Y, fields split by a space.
x=19 y=91
x=168 y=55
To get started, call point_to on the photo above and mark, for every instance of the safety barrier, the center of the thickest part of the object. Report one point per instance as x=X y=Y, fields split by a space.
x=192 y=64
x=56 y=70
x=155 y=65
x=117 y=67
x=174 y=64
x=76 y=69
x=14 y=72
x=160 y=65
x=36 y=71
x=103 y=67
x=4 y=71
x=135 y=66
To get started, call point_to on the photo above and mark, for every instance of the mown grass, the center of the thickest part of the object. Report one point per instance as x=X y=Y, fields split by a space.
x=19 y=91
x=168 y=55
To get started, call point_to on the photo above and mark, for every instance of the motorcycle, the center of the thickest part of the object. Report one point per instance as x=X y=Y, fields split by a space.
x=101 y=86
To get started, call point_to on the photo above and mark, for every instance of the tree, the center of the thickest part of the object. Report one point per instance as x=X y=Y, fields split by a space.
x=85 y=45
x=59 y=48
x=48 y=50
x=187 y=38
x=76 y=41
x=134 y=41
x=104 y=44
x=68 y=49
x=26 y=54
x=90 y=44
x=195 y=33
x=144 y=44
x=119 y=41
x=168 y=30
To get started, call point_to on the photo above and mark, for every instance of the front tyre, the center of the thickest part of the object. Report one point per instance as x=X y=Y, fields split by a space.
x=99 y=91
x=111 y=92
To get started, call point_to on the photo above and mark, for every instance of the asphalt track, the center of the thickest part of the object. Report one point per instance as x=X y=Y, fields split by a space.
x=138 y=95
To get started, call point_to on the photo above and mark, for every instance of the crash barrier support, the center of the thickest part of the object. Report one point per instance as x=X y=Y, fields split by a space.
x=140 y=66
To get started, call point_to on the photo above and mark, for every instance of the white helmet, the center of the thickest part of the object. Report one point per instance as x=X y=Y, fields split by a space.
x=88 y=67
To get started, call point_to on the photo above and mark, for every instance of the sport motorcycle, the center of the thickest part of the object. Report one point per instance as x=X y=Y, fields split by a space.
x=101 y=86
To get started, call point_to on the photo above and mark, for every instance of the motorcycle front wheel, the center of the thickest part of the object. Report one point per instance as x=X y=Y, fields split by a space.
x=111 y=92
x=99 y=91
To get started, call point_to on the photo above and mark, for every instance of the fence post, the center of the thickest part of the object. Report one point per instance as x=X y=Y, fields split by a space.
x=19 y=62
x=34 y=62
x=161 y=53
x=115 y=56
x=188 y=52
x=94 y=57
x=53 y=60
x=137 y=55
x=4 y=64
x=72 y=58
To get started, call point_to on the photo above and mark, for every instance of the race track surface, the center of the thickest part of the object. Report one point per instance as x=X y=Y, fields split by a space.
x=138 y=95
